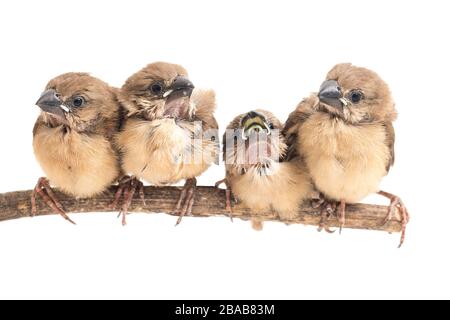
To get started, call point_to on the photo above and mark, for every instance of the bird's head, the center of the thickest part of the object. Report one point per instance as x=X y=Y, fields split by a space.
x=77 y=101
x=160 y=90
x=356 y=95
x=254 y=123
x=254 y=140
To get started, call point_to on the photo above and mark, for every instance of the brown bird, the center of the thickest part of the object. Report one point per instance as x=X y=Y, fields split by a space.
x=72 y=138
x=345 y=137
x=253 y=146
x=170 y=132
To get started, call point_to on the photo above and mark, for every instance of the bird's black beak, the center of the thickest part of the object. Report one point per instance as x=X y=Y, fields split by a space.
x=254 y=122
x=49 y=102
x=177 y=98
x=181 y=87
x=330 y=93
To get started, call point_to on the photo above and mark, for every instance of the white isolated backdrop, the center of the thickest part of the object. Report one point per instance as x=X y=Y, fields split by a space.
x=258 y=54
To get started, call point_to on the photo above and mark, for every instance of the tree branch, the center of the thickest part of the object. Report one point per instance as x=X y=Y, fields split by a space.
x=209 y=202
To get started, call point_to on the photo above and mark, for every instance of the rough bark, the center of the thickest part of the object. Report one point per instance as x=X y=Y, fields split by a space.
x=209 y=202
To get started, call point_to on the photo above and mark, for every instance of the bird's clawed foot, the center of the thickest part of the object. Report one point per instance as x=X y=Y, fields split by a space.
x=127 y=187
x=186 y=200
x=44 y=190
x=327 y=208
x=396 y=203
x=227 y=196
x=341 y=215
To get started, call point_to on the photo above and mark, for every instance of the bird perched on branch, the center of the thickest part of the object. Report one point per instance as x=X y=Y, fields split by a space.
x=72 y=138
x=344 y=135
x=253 y=147
x=170 y=132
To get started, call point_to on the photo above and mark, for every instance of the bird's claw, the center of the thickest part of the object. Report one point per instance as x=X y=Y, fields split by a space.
x=127 y=187
x=186 y=200
x=317 y=203
x=328 y=208
x=44 y=190
x=341 y=215
x=228 y=195
x=396 y=204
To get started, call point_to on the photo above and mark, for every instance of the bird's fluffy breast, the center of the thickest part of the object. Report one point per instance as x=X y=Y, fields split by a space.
x=162 y=151
x=282 y=190
x=79 y=164
x=346 y=162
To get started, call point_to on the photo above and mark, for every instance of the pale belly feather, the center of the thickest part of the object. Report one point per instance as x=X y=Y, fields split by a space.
x=79 y=164
x=283 y=191
x=160 y=152
x=345 y=162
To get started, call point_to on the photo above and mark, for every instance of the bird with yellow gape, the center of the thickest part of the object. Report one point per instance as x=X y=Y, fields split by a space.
x=334 y=148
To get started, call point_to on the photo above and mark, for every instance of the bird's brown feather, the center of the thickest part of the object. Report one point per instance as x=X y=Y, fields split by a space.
x=390 y=140
x=283 y=190
x=347 y=152
x=78 y=156
x=162 y=150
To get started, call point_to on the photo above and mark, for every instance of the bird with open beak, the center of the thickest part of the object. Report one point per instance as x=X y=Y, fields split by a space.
x=170 y=132
x=346 y=138
x=253 y=147
x=72 y=138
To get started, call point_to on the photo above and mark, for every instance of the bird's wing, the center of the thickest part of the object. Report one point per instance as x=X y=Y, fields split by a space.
x=294 y=122
x=390 y=140
x=37 y=125
x=205 y=105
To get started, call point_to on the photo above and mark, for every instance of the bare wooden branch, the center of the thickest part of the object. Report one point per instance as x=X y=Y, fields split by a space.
x=209 y=202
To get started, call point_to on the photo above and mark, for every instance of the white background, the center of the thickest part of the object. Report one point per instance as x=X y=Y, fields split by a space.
x=255 y=55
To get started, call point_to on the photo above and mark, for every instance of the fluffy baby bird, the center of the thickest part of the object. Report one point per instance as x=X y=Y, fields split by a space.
x=346 y=138
x=253 y=146
x=72 y=138
x=170 y=132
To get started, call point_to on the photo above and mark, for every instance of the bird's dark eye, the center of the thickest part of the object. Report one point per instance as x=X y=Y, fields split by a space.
x=157 y=88
x=271 y=126
x=356 y=96
x=78 y=102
